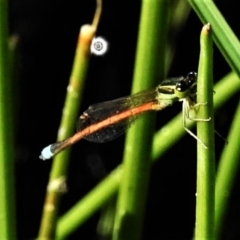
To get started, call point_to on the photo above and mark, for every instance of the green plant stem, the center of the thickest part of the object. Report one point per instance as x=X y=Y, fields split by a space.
x=58 y=175
x=225 y=89
x=223 y=36
x=7 y=195
x=227 y=173
x=149 y=65
x=89 y=204
x=205 y=132
x=178 y=15
x=106 y=220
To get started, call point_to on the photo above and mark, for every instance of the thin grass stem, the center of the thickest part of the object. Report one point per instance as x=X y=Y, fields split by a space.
x=205 y=132
x=227 y=174
x=57 y=182
x=223 y=35
x=7 y=186
x=149 y=65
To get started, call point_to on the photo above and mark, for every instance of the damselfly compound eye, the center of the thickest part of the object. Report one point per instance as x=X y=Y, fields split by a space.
x=192 y=77
x=181 y=86
x=187 y=82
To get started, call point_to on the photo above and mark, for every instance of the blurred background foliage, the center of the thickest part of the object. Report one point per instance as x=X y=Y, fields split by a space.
x=47 y=32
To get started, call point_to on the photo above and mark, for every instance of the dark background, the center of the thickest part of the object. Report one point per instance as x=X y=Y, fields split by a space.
x=48 y=32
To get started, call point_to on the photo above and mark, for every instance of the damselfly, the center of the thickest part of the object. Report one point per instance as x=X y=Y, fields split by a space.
x=105 y=121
